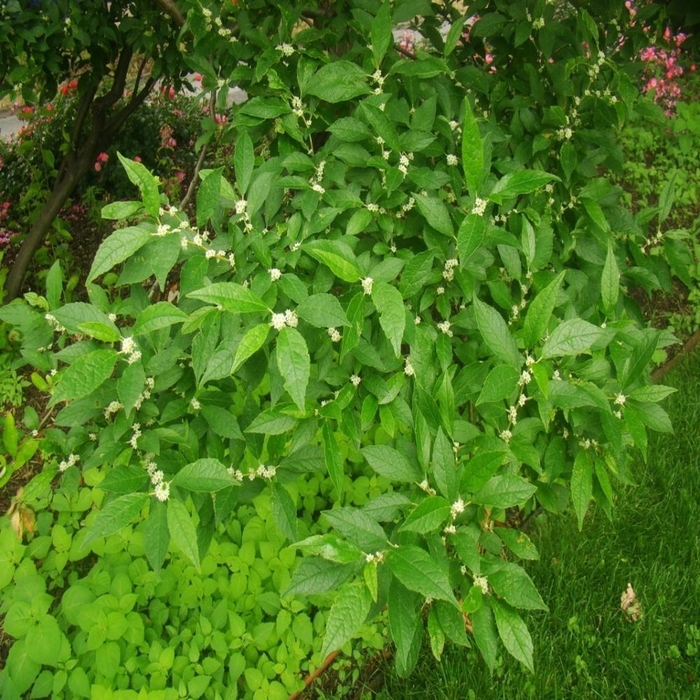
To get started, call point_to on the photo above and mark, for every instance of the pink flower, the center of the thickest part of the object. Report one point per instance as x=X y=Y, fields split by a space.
x=137 y=159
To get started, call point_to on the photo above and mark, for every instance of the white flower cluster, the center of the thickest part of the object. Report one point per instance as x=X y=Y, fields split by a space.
x=288 y=318
x=620 y=399
x=129 y=348
x=161 y=487
x=483 y=583
x=479 y=206
x=565 y=133
x=334 y=335
x=54 y=323
x=408 y=368
x=286 y=49
x=448 y=272
x=444 y=327
x=425 y=486
x=262 y=472
x=457 y=508
x=113 y=407
x=69 y=462
x=367 y=284
x=452 y=159
x=506 y=436
x=355 y=380
x=135 y=436
x=377 y=557
x=275 y=273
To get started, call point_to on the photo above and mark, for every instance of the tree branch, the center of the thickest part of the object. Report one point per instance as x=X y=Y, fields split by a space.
x=170 y=8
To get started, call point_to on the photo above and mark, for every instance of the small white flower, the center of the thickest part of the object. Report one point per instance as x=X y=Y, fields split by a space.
x=449 y=530
x=417 y=320
x=291 y=318
x=525 y=378
x=355 y=380
x=479 y=206
x=372 y=207
x=513 y=414
x=275 y=273
x=454 y=125
x=556 y=376
x=162 y=230
x=334 y=335
x=483 y=583
x=620 y=399
x=506 y=436
x=408 y=368
x=241 y=205
x=367 y=284
x=278 y=321
x=439 y=291
x=522 y=400
x=286 y=49
x=112 y=317
x=444 y=327
x=195 y=404
x=457 y=508
x=452 y=159
x=425 y=486
x=162 y=491
x=318 y=188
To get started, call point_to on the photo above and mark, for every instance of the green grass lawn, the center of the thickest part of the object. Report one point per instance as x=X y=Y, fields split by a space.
x=584 y=646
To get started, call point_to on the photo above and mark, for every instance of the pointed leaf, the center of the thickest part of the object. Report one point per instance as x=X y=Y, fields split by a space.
x=358 y=527
x=540 y=311
x=87 y=373
x=470 y=237
x=284 y=511
x=513 y=633
x=337 y=256
x=499 y=384
x=392 y=313
x=495 y=333
x=339 y=81
x=515 y=587
x=156 y=316
x=504 y=491
x=231 y=297
x=581 y=485
x=436 y=213
x=390 y=463
x=156 y=534
x=334 y=461
x=244 y=161
x=315 y=575
x=472 y=151
x=183 y=531
x=346 y=616
x=428 y=516
x=115 y=515
x=419 y=572
x=139 y=176
x=115 y=249
x=572 y=337
x=520 y=182
x=610 y=281
x=205 y=476
x=322 y=311
x=382 y=36
x=294 y=364
x=251 y=342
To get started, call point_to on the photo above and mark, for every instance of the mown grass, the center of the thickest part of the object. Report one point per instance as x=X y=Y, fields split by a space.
x=584 y=646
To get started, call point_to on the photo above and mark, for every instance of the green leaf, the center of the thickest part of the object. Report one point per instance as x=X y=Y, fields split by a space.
x=485 y=634
x=222 y=422
x=416 y=273
x=243 y=161
x=130 y=385
x=652 y=393
x=610 y=281
x=162 y=314
x=44 y=641
x=436 y=213
x=284 y=511
x=21 y=667
x=350 y=129
x=139 y=176
x=540 y=311
x=271 y=422
x=455 y=34
x=334 y=461
x=495 y=333
x=118 y=247
x=205 y=475
x=358 y=527
x=392 y=313
x=504 y=491
x=322 y=311
x=428 y=516
x=183 y=531
x=230 y=297
x=156 y=534
x=572 y=337
x=337 y=256
x=470 y=237
x=443 y=465
x=472 y=151
x=346 y=616
x=513 y=585
x=251 y=342
x=115 y=515
x=294 y=364
x=405 y=626
x=54 y=285
x=315 y=575
x=581 y=485
x=518 y=543
x=339 y=81
x=87 y=373
x=10 y=434
x=120 y=210
x=330 y=547
x=382 y=36
x=419 y=572
x=209 y=195
x=125 y=479
x=390 y=463
x=519 y=182
x=79 y=316
x=513 y=633
x=499 y=384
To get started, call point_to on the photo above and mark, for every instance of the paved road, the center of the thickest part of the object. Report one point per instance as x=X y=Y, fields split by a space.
x=9 y=125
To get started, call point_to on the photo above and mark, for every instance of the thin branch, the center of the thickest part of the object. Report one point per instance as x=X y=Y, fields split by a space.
x=171 y=9
x=140 y=73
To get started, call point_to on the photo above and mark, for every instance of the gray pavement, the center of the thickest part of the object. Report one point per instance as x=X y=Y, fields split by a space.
x=9 y=124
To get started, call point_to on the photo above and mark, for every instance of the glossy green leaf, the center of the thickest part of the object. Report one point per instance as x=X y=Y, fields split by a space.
x=428 y=516
x=513 y=633
x=518 y=183
x=494 y=330
x=392 y=313
x=470 y=237
x=610 y=281
x=251 y=342
x=118 y=247
x=346 y=616
x=204 y=475
x=294 y=364
x=572 y=337
x=230 y=297
x=162 y=314
x=339 y=81
x=322 y=311
x=337 y=256
x=512 y=583
x=504 y=491
x=436 y=213
x=87 y=373
x=382 y=36
x=390 y=463
x=314 y=575
x=500 y=383
x=182 y=530
x=540 y=311
x=419 y=572
x=145 y=181
x=115 y=515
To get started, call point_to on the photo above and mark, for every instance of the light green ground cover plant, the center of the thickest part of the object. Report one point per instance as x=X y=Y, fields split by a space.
x=401 y=319
x=585 y=645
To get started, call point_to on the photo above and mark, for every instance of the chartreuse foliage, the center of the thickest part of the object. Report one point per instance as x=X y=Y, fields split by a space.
x=410 y=284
